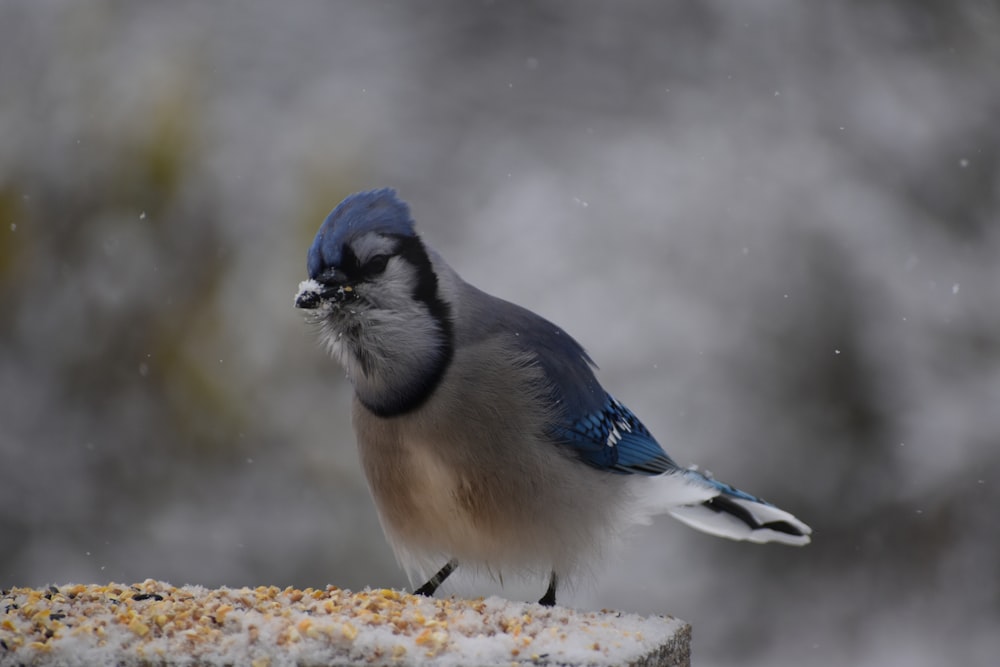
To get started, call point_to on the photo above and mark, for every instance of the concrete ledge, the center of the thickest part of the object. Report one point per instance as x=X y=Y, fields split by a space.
x=154 y=623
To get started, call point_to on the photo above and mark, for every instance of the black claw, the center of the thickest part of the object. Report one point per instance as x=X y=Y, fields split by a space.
x=549 y=599
x=432 y=584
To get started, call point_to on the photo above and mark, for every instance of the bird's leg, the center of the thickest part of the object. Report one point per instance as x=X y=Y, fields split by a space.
x=549 y=599
x=435 y=581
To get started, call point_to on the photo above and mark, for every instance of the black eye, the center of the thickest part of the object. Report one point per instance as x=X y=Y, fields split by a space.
x=376 y=265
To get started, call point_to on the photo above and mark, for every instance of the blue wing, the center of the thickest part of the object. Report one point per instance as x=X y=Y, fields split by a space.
x=607 y=436
x=613 y=439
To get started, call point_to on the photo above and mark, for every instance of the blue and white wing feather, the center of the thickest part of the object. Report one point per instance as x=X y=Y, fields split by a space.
x=603 y=433
x=613 y=439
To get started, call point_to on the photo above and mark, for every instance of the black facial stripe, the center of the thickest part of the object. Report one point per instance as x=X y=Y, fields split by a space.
x=349 y=263
x=412 y=250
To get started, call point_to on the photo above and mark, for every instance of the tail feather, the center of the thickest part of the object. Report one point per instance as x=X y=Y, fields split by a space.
x=725 y=511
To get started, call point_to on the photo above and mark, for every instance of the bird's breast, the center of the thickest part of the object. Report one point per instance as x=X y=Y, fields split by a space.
x=428 y=504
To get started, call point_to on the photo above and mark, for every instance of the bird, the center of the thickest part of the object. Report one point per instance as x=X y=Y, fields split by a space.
x=482 y=429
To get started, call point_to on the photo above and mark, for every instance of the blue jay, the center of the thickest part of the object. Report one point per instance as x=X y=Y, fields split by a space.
x=484 y=435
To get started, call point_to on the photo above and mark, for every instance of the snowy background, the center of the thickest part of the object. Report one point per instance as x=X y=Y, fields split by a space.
x=775 y=225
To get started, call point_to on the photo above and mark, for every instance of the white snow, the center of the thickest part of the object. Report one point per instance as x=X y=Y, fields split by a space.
x=266 y=626
x=308 y=286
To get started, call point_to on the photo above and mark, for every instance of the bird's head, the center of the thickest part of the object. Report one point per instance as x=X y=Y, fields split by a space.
x=354 y=248
x=374 y=291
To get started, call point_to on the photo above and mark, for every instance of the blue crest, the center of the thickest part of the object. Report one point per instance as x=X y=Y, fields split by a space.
x=379 y=211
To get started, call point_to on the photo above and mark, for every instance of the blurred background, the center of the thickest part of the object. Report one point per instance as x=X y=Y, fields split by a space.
x=775 y=225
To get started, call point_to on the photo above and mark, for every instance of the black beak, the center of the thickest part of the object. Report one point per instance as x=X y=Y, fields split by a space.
x=331 y=285
x=308 y=300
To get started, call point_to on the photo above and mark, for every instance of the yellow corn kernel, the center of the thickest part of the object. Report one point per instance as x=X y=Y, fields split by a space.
x=138 y=627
